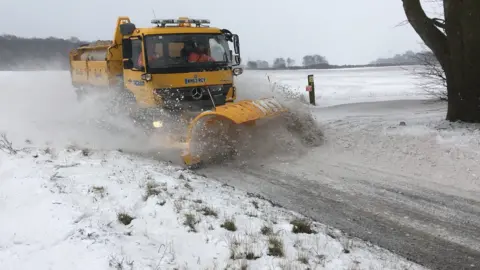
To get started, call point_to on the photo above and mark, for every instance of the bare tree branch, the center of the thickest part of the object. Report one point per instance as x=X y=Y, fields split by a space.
x=425 y=27
x=6 y=145
x=432 y=79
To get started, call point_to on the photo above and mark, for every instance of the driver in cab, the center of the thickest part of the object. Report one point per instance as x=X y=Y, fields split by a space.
x=200 y=54
x=151 y=54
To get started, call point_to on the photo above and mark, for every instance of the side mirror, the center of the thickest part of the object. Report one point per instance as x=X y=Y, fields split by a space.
x=127 y=48
x=127 y=64
x=236 y=44
x=228 y=35
x=238 y=60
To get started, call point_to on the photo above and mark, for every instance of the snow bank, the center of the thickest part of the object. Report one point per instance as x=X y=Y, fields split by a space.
x=431 y=151
x=70 y=209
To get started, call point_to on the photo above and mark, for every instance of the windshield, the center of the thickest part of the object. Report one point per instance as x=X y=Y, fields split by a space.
x=186 y=50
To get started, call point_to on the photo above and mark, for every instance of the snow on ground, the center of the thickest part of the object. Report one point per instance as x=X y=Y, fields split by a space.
x=406 y=137
x=59 y=205
x=363 y=130
x=70 y=209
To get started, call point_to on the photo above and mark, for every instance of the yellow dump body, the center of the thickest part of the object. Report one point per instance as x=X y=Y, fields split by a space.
x=90 y=67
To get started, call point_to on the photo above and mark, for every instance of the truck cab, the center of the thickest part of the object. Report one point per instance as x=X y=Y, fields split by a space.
x=179 y=64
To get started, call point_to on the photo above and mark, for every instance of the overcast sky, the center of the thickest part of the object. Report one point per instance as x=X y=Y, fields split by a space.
x=345 y=31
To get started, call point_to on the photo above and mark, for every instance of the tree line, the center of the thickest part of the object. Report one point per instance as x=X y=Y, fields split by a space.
x=19 y=53
x=311 y=61
x=317 y=61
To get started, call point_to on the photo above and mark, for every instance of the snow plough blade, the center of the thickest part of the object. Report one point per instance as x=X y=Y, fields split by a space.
x=213 y=135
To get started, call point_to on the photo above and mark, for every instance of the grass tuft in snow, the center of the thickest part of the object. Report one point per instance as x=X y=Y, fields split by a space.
x=120 y=264
x=302 y=226
x=151 y=189
x=86 y=152
x=98 y=190
x=125 y=218
x=6 y=145
x=207 y=211
x=229 y=224
x=243 y=247
x=251 y=256
x=72 y=147
x=178 y=205
x=47 y=151
x=302 y=257
x=189 y=187
x=243 y=265
x=275 y=246
x=266 y=230
x=191 y=221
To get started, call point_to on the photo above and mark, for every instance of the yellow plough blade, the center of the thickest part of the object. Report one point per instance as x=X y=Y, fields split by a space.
x=211 y=133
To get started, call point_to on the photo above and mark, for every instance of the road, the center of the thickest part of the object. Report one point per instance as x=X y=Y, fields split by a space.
x=370 y=189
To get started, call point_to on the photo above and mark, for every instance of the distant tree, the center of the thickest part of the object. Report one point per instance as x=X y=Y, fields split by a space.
x=19 y=53
x=307 y=61
x=318 y=59
x=455 y=42
x=312 y=60
x=279 y=63
x=407 y=58
x=262 y=64
x=252 y=65
x=290 y=62
x=74 y=40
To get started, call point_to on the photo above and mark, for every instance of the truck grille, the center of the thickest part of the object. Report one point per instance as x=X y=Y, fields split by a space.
x=192 y=93
x=193 y=98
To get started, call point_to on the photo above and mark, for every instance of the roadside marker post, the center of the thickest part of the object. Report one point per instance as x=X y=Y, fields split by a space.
x=311 y=89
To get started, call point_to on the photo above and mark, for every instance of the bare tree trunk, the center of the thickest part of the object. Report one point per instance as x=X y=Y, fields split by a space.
x=462 y=20
x=458 y=52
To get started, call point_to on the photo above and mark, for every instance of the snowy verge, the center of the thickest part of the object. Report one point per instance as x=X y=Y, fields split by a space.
x=405 y=137
x=82 y=209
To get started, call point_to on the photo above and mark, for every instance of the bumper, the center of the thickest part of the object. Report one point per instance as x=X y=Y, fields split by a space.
x=194 y=98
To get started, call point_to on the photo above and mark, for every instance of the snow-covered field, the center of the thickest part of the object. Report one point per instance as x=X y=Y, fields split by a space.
x=344 y=86
x=65 y=195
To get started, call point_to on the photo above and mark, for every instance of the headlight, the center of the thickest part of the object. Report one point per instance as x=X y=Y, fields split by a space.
x=157 y=124
x=216 y=88
x=146 y=77
x=237 y=71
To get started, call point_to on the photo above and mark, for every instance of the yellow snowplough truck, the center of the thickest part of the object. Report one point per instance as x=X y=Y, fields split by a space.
x=177 y=67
